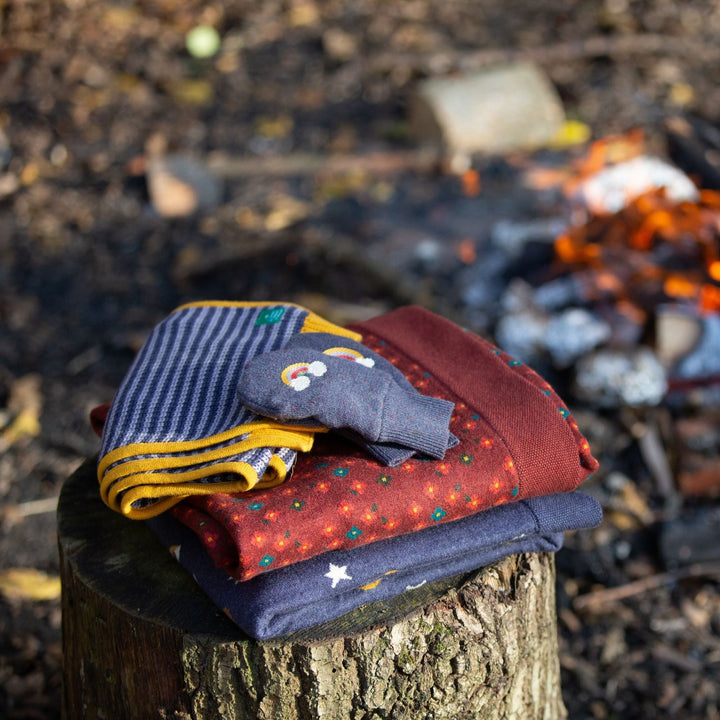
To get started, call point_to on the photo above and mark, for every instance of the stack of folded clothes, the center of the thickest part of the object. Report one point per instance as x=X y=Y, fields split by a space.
x=444 y=454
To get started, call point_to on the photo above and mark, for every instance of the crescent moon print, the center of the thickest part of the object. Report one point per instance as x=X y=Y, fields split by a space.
x=298 y=375
x=349 y=354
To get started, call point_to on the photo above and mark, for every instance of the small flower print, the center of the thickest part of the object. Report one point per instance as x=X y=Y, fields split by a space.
x=341 y=471
x=320 y=466
x=297 y=505
x=514 y=363
x=271 y=516
x=255 y=506
x=515 y=490
x=472 y=501
x=322 y=487
x=357 y=488
x=509 y=464
x=384 y=480
x=495 y=485
x=564 y=411
x=438 y=514
x=430 y=490
x=486 y=442
x=368 y=516
x=345 y=508
x=266 y=560
x=354 y=532
x=258 y=539
x=466 y=458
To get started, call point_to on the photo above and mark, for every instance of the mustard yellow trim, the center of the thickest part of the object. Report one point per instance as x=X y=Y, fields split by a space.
x=170 y=495
x=150 y=467
x=173 y=447
x=274 y=474
x=313 y=322
x=173 y=494
x=161 y=484
x=235 y=303
x=149 y=511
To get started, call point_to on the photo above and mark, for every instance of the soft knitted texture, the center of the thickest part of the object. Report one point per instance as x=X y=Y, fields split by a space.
x=175 y=427
x=387 y=453
x=517 y=440
x=302 y=383
x=334 y=583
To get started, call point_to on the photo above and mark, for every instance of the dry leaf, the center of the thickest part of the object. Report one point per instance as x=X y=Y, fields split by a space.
x=25 y=404
x=191 y=92
x=286 y=211
x=29 y=584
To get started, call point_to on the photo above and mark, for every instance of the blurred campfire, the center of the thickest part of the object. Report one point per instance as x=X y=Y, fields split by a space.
x=624 y=313
x=628 y=303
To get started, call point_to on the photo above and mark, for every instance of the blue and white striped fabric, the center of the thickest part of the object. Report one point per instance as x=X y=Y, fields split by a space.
x=176 y=427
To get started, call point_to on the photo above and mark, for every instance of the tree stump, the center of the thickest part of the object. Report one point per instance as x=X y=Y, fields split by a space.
x=141 y=640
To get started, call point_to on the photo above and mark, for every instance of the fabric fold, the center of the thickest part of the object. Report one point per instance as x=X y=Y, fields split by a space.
x=175 y=427
x=334 y=583
x=517 y=440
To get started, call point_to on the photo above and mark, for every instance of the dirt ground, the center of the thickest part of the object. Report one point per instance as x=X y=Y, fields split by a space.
x=87 y=265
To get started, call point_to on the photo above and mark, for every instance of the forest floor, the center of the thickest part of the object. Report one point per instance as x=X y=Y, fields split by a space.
x=88 y=266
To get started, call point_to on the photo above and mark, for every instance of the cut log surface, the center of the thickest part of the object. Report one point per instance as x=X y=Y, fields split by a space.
x=141 y=640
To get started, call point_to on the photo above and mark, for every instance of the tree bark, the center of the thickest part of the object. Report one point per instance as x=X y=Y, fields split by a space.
x=140 y=640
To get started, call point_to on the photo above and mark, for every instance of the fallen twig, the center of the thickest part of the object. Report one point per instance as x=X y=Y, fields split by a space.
x=595 y=599
x=376 y=163
x=595 y=46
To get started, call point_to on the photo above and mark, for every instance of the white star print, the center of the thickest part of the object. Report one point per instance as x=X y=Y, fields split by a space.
x=337 y=573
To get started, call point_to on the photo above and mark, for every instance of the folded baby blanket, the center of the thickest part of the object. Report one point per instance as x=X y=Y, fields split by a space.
x=176 y=427
x=517 y=440
x=329 y=585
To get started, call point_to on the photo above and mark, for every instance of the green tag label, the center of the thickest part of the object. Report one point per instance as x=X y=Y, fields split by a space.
x=270 y=316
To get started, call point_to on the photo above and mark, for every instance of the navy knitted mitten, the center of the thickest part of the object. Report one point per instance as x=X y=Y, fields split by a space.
x=302 y=383
x=390 y=454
